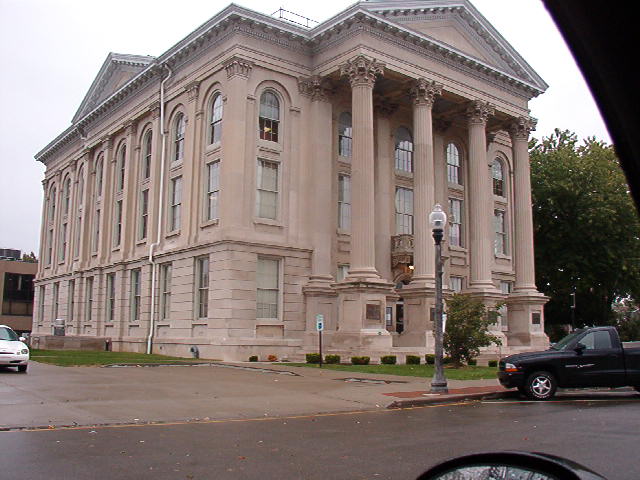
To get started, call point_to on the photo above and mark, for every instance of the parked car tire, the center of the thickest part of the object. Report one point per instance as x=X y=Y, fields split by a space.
x=541 y=386
x=22 y=368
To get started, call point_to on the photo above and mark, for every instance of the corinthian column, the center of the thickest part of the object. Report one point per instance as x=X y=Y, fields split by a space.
x=480 y=198
x=362 y=73
x=423 y=93
x=523 y=244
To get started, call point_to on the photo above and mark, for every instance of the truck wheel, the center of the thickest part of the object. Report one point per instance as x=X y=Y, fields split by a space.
x=540 y=386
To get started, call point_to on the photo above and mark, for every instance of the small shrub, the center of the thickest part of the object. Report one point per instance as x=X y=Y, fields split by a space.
x=332 y=359
x=313 y=357
x=493 y=363
x=360 y=360
x=472 y=363
x=253 y=358
x=430 y=359
x=447 y=361
x=272 y=358
x=388 y=360
x=412 y=360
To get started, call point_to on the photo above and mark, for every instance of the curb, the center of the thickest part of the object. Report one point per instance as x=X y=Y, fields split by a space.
x=417 y=402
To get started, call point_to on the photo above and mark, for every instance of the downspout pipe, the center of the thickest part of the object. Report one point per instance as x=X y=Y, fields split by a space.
x=153 y=246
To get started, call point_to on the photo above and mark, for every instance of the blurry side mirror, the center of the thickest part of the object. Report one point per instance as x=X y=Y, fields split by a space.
x=510 y=465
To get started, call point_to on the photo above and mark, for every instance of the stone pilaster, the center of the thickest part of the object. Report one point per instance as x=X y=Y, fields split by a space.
x=106 y=207
x=362 y=73
x=480 y=204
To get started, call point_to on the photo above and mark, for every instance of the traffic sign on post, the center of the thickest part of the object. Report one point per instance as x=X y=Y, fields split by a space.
x=319 y=322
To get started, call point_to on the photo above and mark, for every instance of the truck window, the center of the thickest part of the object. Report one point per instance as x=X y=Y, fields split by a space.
x=598 y=340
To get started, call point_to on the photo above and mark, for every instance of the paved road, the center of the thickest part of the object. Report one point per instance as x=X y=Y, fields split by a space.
x=384 y=444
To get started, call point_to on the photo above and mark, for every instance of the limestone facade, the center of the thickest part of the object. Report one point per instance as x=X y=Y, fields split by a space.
x=260 y=173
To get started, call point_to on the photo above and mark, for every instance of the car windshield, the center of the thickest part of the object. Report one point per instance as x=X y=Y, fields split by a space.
x=8 y=334
x=562 y=344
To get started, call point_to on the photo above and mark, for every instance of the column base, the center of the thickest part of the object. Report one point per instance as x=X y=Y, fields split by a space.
x=525 y=315
x=418 y=324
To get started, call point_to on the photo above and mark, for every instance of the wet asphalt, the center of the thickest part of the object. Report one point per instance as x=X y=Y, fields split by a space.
x=601 y=434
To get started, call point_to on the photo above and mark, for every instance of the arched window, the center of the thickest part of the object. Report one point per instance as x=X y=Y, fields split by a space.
x=99 y=165
x=454 y=172
x=66 y=196
x=179 y=126
x=146 y=155
x=215 y=124
x=79 y=209
x=52 y=204
x=269 y=119
x=497 y=172
x=122 y=152
x=404 y=150
x=345 y=135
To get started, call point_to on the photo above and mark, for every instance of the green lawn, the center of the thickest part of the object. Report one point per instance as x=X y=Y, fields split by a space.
x=464 y=373
x=70 y=358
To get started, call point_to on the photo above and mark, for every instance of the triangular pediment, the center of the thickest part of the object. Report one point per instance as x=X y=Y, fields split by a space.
x=115 y=72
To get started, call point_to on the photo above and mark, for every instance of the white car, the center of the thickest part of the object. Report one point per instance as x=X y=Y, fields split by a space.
x=13 y=351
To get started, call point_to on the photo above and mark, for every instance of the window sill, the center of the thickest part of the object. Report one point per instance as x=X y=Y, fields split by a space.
x=455 y=248
x=456 y=187
x=269 y=146
x=173 y=166
x=345 y=233
x=267 y=221
x=404 y=174
x=499 y=199
x=265 y=322
x=116 y=249
x=210 y=223
x=502 y=256
x=141 y=241
x=212 y=148
x=173 y=233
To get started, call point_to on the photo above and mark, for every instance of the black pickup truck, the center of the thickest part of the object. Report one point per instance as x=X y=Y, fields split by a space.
x=590 y=357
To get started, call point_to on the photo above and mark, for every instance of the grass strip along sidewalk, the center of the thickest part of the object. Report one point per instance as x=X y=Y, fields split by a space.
x=74 y=358
x=463 y=373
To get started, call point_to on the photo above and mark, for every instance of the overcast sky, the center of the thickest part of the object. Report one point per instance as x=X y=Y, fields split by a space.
x=51 y=50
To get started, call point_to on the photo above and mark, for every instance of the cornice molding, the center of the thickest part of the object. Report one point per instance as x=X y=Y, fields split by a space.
x=237 y=67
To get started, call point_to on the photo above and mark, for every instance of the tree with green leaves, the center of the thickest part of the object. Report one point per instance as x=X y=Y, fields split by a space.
x=29 y=257
x=467 y=328
x=586 y=228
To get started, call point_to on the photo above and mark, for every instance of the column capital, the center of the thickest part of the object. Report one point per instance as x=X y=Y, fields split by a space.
x=314 y=87
x=238 y=66
x=362 y=71
x=192 y=89
x=130 y=127
x=107 y=142
x=154 y=110
x=424 y=92
x=478 y=112
x=521 y=127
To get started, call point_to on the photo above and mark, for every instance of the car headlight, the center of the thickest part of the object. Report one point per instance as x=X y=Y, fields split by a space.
x=25 y=351
x=510 y=367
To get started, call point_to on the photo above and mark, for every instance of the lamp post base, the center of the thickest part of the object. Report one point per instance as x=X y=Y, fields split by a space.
x=439 y=387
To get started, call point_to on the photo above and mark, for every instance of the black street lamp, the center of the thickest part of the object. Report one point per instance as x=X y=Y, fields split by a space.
x=438 y=220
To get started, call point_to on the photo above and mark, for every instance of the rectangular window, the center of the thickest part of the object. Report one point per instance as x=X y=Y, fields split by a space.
x=144 y=214
x=117 y=227
x=134 y=294
x=71 y=287
x=111 y=297
x=55 y=305
x=175 y=200
x=404 y=211
x=267 y=280
x=96 y=232
x=88 y=313
x=267 y=195
x=49 y=246
x=165 y=291
x=62 y=248
x=213 y=190
x=455 y=222
x=455 y=284
x=344 y=202
x=506 y=288
x=343 y=271
x=78 y=236
x=500 y=232
x=41 y=304
x=202 y=287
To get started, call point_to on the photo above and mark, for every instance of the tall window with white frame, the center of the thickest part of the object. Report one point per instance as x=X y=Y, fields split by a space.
x=71 y=293
x=268 y=288
x=455 y=284
x=497 y=174
x=55 y=303
x=95 y=243
x=79 y=213
x=66 y=196
x=215 y=119
x=344 y=202
x=269 y=117
x=345 y=136
x=134 y=294
x=66 y=205
x=179 y=129
x=51 y=215
x=165 y=291
x=62 y=242
x=267 y=189
x=500 y=232
x=212 y=190
x=41 y=296
x=202 y=287
x=111 y=298
x=455 y=222
x=122 y=168
x=175 y=204
x=88 y=303
x=404 y=150
x=117 y=224
x=454 y=165
x=404 y=211
x=343 y=271
x=143 y=220
x=147 y=153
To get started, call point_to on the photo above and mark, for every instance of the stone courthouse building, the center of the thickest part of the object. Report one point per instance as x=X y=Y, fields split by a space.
x=262 y=171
